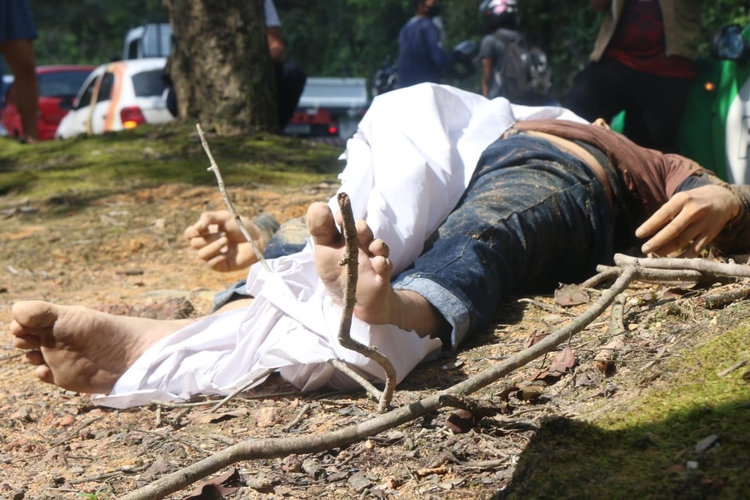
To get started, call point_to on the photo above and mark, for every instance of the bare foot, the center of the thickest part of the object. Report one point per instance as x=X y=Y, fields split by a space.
x=81 y=349
x=377 y=302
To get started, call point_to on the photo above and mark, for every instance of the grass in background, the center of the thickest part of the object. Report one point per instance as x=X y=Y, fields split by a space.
x=149 y=156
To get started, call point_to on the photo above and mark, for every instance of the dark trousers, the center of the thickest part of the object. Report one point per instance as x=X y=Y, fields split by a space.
x=532 y=217
x=290 y=82
x=653 y=104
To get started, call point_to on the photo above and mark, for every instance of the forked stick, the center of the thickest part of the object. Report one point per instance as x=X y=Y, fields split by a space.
x=350 y=260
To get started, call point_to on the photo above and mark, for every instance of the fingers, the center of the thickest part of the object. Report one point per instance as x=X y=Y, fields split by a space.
x=688 y=222
x=601 y=122
x=207 y=219
x=661 y=217
x=210 y=248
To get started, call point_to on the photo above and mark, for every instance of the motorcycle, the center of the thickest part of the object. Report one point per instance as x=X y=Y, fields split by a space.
x=715 y=127
x=386 y=77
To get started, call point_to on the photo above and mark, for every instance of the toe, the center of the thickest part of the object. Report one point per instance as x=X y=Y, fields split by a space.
x=26 y=342
x=364 y=234
x=34 y=313
x=35 y=358
x=321 y=224
x=380 y=248
x=383 y=267
x=44 y=374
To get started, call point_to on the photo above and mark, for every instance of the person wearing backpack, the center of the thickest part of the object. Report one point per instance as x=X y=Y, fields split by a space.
x=512 y=67
x=643 y=62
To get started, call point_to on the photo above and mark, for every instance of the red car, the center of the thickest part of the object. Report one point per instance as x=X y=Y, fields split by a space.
x=58 y=86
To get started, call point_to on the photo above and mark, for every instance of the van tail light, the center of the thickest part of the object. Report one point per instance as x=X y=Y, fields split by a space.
x=132 y=117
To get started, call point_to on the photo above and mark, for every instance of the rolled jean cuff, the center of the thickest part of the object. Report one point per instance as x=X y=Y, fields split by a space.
x=234 y=292
x=453 y=309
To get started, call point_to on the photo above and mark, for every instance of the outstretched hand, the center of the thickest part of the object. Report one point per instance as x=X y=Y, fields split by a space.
x=689 y=221
x=219 y=241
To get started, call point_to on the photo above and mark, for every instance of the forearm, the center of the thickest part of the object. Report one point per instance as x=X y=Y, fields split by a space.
x=734 y=238
x=486 y=75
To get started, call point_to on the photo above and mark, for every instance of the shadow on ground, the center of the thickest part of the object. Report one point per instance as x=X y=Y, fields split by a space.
x=573 y=459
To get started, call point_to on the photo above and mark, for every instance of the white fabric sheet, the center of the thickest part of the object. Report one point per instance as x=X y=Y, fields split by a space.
x=408 y=164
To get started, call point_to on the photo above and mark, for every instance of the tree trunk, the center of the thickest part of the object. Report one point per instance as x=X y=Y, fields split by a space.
x=220 y=65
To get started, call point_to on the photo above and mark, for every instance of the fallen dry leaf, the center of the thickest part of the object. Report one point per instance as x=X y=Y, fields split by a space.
x=212 y=418
x=571 y=295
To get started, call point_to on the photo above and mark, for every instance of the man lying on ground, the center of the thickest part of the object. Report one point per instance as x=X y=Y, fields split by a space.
x=469 y=219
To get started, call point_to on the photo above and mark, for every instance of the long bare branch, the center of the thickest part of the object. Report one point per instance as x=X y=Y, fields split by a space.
x=281 y=447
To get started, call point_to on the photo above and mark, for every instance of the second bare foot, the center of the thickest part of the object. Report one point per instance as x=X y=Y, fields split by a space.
x=81 y=349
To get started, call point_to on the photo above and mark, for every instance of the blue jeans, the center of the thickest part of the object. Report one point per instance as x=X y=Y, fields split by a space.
x=532 y=217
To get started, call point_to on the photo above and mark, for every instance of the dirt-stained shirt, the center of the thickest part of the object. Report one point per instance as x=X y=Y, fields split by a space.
x=650 y=177
x=649 y=174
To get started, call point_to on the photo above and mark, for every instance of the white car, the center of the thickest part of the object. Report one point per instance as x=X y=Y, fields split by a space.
x=117 y=96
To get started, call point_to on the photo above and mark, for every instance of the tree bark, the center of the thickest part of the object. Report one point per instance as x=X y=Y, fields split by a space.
x=220 y=65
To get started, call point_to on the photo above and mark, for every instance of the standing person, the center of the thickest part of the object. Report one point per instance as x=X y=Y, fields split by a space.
x=643 y=62
x=511 y=66
x=17 y=35
x=421 y=57
x=290 y=77
x=511 y=199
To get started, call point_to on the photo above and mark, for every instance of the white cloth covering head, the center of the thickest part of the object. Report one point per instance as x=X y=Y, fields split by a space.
x=407 y=166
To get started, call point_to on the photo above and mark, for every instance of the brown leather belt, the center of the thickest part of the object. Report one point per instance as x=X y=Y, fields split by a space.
x=574 y=149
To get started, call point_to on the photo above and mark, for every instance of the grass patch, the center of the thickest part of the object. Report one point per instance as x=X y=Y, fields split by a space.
x=151 y=156
x=647 y=449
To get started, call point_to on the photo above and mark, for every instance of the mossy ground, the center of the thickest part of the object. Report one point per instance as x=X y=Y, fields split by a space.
x=90 y=167
x=644 y=446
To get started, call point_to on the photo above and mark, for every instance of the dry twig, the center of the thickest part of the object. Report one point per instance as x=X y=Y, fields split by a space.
x=352 y=262
x=345 y=369
x=215 y=169
x=717 y=300
x=736 y=366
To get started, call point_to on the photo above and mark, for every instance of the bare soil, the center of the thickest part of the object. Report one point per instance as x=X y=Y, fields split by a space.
x=125 y=254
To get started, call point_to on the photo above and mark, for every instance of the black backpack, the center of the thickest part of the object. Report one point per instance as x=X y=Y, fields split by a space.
x=524 y=74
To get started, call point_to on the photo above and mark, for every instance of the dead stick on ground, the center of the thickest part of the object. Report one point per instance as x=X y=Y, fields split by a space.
x=345 y=369
x=717 y=300
x=701 y=265
x=736 y=366
x=242 y=388
x=351 y=261
x=282 y=447
x=297 y=418
x=215 y=169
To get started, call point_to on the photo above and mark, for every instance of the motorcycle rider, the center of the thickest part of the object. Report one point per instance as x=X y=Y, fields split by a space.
x=511 y=66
